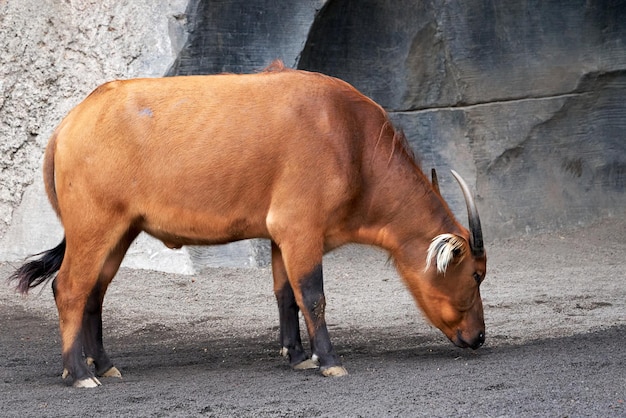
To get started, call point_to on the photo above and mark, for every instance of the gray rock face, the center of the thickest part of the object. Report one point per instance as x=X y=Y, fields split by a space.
x=239 y=36
x=53 y=54
x=538 y=164
x=411 y=55
x=524 y=99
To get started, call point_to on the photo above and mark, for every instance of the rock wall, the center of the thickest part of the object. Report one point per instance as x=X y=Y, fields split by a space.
x=53 y=54
x=240 y=36
x=524 y=99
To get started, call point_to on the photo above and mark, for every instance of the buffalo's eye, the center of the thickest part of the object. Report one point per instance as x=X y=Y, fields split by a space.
x=477 y=277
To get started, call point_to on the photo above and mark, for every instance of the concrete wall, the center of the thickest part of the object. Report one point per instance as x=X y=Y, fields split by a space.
x=524 y=99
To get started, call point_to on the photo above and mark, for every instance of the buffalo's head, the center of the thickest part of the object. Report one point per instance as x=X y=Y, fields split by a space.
x=449 y=292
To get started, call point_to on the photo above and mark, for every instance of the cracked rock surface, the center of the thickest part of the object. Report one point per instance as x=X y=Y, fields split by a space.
x=53 y=54
x=524 y=99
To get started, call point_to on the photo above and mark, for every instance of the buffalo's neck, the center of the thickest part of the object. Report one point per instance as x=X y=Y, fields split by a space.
x=401 y=212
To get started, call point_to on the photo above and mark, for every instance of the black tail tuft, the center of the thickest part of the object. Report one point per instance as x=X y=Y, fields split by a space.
x=39 y=271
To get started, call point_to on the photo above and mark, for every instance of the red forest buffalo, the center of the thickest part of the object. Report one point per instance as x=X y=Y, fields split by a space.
x=300 y=158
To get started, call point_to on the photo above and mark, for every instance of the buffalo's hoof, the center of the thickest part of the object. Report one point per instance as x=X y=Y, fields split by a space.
x=90 y=382
x=112 y=372
x=335 y=371
x=310 y=363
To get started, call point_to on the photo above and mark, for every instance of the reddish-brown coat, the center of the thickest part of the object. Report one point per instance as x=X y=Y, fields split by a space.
x=300 y=158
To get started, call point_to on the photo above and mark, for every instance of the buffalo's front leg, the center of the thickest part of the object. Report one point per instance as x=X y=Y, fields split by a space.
x=313 y=303
x=290 y=340
x=303 y=263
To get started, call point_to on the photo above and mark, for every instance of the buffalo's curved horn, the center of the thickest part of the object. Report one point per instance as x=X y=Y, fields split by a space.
x=433 y=173
x=476 y=232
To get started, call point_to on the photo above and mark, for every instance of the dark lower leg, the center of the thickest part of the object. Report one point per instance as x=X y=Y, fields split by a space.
x=313 y=308
x=74 y=363
x=290 y=325
x=287 y=311
x=92 y=333
x=92 y=320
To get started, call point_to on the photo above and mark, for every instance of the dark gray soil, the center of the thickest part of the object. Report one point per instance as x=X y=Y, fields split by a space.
x=206 y=345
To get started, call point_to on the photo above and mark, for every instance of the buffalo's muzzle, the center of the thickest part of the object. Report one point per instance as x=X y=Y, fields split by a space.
x=474 y=343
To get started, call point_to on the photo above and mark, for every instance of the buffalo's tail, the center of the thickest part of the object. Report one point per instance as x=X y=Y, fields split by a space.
x=40 y=270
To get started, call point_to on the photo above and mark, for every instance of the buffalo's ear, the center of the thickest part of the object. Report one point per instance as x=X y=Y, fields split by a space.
x=445 y=249
x=435 y=181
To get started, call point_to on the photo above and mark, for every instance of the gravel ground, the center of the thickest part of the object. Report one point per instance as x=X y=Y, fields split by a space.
x=207 y=345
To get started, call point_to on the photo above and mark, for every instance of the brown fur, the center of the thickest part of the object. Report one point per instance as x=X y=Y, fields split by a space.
x=300 y=158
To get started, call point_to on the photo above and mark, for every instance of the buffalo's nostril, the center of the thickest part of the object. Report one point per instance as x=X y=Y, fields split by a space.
x=473 y=343
x=480 y=340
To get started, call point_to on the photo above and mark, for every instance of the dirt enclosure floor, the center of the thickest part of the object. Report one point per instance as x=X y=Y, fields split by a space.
x=206 y=345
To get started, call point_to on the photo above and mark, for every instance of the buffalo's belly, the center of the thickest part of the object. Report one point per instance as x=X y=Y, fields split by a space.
x=176 y=228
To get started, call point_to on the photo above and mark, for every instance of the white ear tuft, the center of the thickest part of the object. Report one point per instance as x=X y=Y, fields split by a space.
x=442 y=251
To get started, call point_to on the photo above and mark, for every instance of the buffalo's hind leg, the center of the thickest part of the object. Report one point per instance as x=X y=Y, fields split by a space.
x=93 y=346
x=71 y=291
x=88 y=267
x=290 y=340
